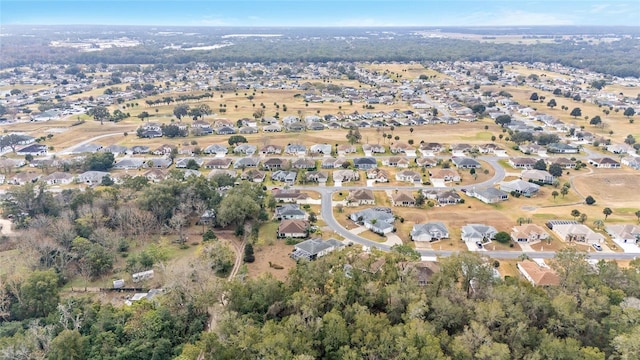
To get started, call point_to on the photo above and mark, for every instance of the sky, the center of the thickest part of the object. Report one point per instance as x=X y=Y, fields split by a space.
x=326 y=13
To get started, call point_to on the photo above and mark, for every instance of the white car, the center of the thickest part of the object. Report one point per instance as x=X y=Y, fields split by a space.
x=597 y=247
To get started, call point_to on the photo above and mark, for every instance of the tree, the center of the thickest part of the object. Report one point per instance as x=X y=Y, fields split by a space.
x=607 y=211
x=576 y=112
x=143 y=115
x=534 y=96
x=236 y=139
x=595 y=121
x=248 y=254
x=629 y=112
x=540 y=165
x=68 y=345
x=38 y=295
x=552 y=103
x=637 y=213
x=564 y=191
x=99 y=161
x=503 y=120
x=555 y=170
x=353 y=136
x=99 y=113
x=575 y=213
x=12 y=141
x=630 y=140
x=503 y=237
x=555 y=194
x=180 y=111
x=590 y=200
x=598 y=84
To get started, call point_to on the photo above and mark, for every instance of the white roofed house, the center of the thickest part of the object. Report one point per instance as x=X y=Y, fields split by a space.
x=625 y=233
x=529 y=233
x=92 y=177
x=408 y=176
x=216 y=149
x=314 y=248
x=474 y=233
x=538 y=176
x=577 y=233
x=59 y=178
x=379 y=219
x=488 y=195
x=520 y=187
x=324 y=149
x=429 y=232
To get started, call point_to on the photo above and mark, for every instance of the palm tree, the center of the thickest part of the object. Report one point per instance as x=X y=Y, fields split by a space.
x=598 y=224
x=607 y=211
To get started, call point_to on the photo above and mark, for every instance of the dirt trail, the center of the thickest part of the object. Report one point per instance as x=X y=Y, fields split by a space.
x=6 y=227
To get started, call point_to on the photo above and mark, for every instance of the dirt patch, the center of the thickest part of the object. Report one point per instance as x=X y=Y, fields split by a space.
x=612 y=187
x=278 y=253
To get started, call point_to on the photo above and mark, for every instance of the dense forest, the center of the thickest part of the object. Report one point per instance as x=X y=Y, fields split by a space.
x=619 y=58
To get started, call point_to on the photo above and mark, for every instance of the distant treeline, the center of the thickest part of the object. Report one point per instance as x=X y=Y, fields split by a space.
x=619 y=58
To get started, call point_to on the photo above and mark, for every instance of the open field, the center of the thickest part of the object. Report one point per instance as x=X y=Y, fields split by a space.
x=277 y=253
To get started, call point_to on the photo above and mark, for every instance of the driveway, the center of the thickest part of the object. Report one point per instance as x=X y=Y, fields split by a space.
x=393 y=239
x=358 y=230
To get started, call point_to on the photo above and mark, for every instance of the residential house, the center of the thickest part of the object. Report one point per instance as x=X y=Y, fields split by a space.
x=444 y=175
x=163 y=150
x=443 y=197
x=370 y=149
x=271 y=150
x=474 y=233
x=427 y=162
x=361 y=197
x=293 y=228
x=461 y=149
x=33 y=150
x=429 y=232
x=533 y=149
x=295 y=149
x=202 y=127
x=604 y=163
x=253 y=175
x=403 y=198
x=529 y=233
x=621 y=149
x=225 y=130
x=365 y=163
x=324 y=149
x=492 y=148
x=537 y=274
x=287 y=177
x=403 y=148
x=488 y=195
x=562 y=162
x=272 y=128
x=272 y=164
x=218 y=163
x=216 y=149
x=378 y=175
x=207 y=217
x=246 y=162
x=24 y=178
x=625 y=233
x=87 y=148
x=346 y=175
x=116 y=150
x=245 y=149
x=465 y=163
x=155 y=175
x=161 y=163
x=248 y=130
x=632 y=162
x=140 y=149
x=408 y=176
x=58 y=178
x=397 y=161
x=522 y=162
x=290 y=211
x=521 y=187
x=333 y=163
x=314 y=248
x=289 y=195
x=379 y=219
x=344 y=149
x=303 y=163
x=537 y=176
x=577 y=233
x=561 y=148
x=423 y=270
x=182 y=163
x=129 y=164
x=431 y=148
x=319 y=177
x=92 y=177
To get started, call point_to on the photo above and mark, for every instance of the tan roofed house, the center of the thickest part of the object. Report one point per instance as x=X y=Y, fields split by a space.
x=538 y=275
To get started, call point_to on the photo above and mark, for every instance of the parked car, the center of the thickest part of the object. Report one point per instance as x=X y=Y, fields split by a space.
x=597 y=247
